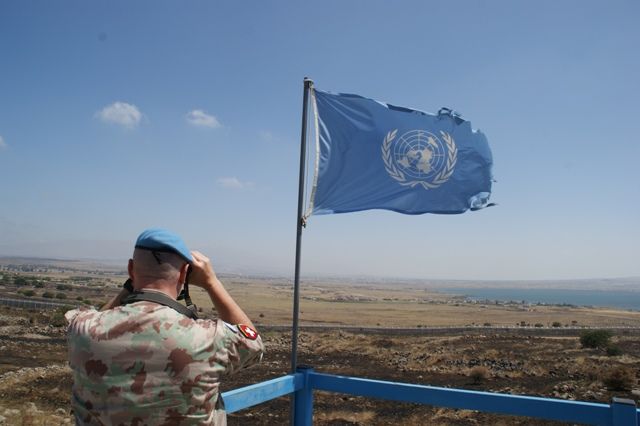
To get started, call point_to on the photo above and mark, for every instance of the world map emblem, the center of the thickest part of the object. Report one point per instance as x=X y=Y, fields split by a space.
x=419 y=157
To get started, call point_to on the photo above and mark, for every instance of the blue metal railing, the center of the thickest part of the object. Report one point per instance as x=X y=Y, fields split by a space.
x=621 y=412
x=248 y=396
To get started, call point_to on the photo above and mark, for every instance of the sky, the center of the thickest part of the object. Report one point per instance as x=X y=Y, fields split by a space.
x=118 y=116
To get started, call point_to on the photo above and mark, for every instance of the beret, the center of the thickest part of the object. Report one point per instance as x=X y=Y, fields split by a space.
x=163 y=240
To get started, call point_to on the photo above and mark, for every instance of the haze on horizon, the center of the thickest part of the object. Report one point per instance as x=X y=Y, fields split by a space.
x=119 y=116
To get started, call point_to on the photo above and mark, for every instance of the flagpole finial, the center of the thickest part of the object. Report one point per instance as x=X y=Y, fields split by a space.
x=308 y=81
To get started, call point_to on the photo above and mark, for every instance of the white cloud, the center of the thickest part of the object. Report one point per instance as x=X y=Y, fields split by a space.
x=198 y=117
x=267 y=136
x=233 y=183
x=3 y=144
x=121 y=113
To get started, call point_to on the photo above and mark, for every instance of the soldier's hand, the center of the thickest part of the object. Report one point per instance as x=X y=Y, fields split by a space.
x=202 y=273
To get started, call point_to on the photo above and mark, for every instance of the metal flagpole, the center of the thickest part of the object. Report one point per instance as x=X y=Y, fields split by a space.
x=296 y=280
x=299 y=219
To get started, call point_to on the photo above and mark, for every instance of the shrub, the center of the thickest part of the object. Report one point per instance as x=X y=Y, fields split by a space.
x=595 y=338
x=383 y=343
x=487 y=324
x=38 y=284
x=79 y=298
x=58 y=319
x=593 y=375
x=613 y=350
x=63 y=287
x=28 y=293
x=61 y=296
x=556 y=324
x=538 y=325
x=478 y=374
x=619 y=379
x=20 y=281
x=48 y=295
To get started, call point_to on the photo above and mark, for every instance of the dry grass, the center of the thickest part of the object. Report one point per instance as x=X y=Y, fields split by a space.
x=355 y=417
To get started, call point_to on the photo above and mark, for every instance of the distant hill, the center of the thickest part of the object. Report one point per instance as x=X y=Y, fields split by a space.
x=116 y=266
x=73 y=264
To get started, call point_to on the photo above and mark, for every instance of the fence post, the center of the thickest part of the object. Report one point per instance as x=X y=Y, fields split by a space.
x=623 y=412
x=303 y=408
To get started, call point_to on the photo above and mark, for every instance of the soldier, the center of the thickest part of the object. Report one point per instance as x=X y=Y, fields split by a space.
x=142 y=362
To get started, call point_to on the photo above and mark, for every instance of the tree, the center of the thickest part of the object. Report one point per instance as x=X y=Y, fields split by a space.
x=595 y=338
x=20 y=282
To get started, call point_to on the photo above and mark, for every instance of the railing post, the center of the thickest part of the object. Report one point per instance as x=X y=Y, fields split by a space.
x=623 y=412
x=303 y=407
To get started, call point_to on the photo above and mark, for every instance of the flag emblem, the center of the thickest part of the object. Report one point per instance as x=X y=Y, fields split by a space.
x=248 y=332
x=419 y=157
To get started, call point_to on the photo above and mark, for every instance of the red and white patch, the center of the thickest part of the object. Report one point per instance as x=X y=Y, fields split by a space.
x=248 y=332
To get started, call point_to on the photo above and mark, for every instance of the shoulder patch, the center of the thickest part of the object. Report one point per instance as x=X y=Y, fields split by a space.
x=248 y=332
x=231 y=327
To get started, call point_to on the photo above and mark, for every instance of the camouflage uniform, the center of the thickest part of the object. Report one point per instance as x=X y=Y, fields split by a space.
x=146 y=364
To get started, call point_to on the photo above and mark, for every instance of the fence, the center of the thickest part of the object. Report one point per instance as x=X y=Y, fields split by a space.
x=621 y=412
x=33 y=304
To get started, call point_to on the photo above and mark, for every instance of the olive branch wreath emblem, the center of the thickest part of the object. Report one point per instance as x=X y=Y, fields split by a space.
x=442 y=177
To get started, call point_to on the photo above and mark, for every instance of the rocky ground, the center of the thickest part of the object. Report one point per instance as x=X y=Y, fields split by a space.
x=35 y=381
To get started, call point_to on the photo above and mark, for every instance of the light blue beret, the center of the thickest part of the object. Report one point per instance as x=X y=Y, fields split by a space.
x=163 y=240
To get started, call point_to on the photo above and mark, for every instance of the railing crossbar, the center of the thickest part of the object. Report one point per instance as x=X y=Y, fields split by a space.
x=248 y=396
x=551 y=409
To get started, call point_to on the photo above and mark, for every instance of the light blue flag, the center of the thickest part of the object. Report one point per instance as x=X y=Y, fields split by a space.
x=378 y=156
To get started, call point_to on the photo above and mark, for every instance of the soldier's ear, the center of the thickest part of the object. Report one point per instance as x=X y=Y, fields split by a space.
x=130 y=269
x=183 y=273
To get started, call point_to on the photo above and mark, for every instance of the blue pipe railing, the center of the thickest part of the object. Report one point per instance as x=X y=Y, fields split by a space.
x=621 y=412
x=248 y=396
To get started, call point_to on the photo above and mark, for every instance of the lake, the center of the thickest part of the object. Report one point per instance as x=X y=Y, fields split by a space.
x=602 y=298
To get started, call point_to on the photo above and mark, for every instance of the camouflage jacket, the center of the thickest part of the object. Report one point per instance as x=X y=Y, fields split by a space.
x=146 y=364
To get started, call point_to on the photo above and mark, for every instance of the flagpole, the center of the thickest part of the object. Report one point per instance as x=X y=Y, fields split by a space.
x=308 y=83
x=299 y=219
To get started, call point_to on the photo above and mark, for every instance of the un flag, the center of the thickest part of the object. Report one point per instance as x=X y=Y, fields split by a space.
x=379 y=156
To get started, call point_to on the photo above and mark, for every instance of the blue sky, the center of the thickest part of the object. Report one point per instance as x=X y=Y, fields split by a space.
x=117 y=116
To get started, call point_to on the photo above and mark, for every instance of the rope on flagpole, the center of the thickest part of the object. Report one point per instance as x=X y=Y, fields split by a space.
x=316 y=168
